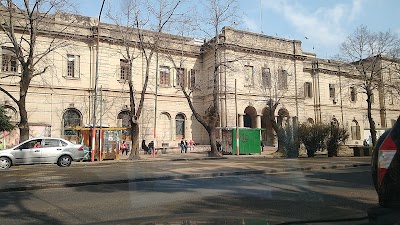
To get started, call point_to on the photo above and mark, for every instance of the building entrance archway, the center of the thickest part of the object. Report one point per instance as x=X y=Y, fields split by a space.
x=250 y=117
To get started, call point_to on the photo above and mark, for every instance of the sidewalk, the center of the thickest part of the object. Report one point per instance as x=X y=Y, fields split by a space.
x=163 y=167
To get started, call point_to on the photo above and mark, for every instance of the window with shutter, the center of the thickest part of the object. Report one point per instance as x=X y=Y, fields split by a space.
x=164 y=76
x=266 y=77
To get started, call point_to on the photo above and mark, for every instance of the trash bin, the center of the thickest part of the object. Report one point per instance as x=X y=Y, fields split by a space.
x=164 y=148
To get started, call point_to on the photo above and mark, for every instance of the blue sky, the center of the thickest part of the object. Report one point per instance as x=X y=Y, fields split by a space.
x=321 y=25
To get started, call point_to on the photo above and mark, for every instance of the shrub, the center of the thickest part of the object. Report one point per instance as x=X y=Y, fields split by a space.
x=290 y=141
x=336 y=136
x=313 y=136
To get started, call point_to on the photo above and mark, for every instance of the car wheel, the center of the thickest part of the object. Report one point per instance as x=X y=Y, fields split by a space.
x=64 y=161
x=5 y=163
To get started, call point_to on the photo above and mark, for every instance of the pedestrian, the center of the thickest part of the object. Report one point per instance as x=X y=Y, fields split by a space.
x=182 y=145
x=124 y=148
x=186 y=146
x=262 y=146
x=191 y=145
x=151 y=147
x=219 y=146
x=144 y=147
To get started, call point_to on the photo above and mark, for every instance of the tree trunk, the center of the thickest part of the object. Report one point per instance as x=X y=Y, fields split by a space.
x=213 y=142
x=23 y=123
x=135 y=142
x=23 y=90
x=371 y=121
x=134 y=124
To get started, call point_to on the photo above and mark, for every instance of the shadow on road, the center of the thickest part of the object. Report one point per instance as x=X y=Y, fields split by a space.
x=13 y=207
x=297 y=195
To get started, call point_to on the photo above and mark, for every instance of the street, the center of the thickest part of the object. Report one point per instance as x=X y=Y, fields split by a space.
x=281 y=197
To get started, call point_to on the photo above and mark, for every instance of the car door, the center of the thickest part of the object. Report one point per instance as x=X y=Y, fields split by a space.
x=26 y=153
x=51 y=150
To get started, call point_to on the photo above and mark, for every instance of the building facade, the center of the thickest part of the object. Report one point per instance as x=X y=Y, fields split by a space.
x=264 y=68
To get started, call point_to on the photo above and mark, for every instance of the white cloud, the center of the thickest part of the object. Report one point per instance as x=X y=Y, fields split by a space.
x=323 y=26
x=356 y=9
x=250 y=24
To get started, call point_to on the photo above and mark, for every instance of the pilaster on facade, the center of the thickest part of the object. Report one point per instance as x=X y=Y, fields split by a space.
x=258 y=120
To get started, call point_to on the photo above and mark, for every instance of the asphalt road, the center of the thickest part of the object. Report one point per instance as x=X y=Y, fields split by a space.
x=28 y=177
x=307 y=195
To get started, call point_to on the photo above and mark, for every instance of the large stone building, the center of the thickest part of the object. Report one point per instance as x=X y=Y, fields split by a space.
x=264 y=67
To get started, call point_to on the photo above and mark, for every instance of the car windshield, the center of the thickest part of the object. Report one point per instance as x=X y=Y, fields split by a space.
x=199 y=112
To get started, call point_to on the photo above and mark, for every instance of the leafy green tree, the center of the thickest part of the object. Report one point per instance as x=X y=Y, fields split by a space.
x=5 y=124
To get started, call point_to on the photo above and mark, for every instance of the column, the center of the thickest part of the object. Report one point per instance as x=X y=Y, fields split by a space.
x=258 y=121
x=240 y=119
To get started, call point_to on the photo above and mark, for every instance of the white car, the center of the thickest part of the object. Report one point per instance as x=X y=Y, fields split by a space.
x=42 y=150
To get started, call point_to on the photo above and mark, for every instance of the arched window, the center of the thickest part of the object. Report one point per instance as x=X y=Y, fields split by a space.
x=71 y=118
x=180 y=126
x=283 y=117
x=250 y=117
x=124 y=117
x=355 y=130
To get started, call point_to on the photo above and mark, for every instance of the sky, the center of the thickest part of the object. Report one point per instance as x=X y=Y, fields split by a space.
x=321 y=25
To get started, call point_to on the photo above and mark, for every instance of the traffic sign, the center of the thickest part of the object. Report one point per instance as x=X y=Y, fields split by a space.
x=387 y=151
x=385 y=167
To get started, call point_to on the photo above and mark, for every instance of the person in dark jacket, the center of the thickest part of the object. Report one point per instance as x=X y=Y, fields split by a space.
x=144 y=147
x=182 y=145
x=151 y=147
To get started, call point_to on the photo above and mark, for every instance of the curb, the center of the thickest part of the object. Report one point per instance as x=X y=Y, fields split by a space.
x=182 y=176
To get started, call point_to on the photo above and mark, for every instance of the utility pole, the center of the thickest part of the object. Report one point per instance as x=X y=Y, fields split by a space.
x=155 y=109
x=95 y=86
x=237 y=121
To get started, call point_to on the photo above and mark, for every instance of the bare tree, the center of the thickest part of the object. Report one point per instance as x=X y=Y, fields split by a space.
x=142 y=27
x=23 y=24
x=217 y=13
x=366 y=51
x=276 y=89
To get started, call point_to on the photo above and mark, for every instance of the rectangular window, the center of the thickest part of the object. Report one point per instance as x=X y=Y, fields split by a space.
x=355 y=132
x=282 y=80
x=249 y=75
x=353 y=94
x=332 y=90
x=125 y=69
x=192 y=79
x=164 y=76
x=180 y=78
x=73 y=66
x=390 y=98
x=307 y=90
x=266 y=77
x=9 y=63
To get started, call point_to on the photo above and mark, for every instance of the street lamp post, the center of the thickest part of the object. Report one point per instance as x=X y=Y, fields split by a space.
x=95 y=87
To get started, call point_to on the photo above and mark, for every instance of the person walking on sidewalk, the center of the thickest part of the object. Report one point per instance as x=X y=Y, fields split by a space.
x=191 y=145
x=182 y=145
x=124 y=148
x=186 y=146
